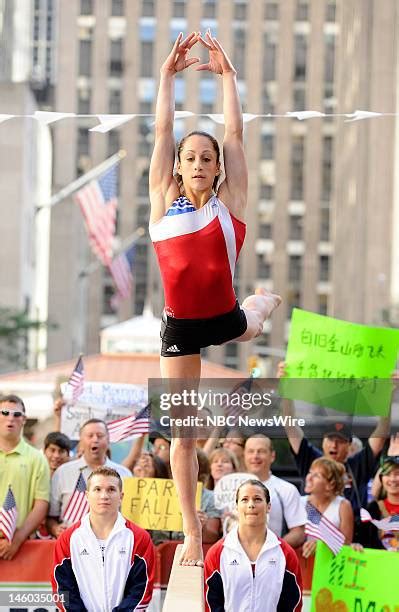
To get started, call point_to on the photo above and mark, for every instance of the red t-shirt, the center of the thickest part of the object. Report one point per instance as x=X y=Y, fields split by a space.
x=391 y=508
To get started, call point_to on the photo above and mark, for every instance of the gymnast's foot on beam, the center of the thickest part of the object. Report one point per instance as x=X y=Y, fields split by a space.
x=192 y=554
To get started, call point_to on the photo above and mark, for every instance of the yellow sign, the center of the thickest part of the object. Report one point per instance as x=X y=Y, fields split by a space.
x=152 y=503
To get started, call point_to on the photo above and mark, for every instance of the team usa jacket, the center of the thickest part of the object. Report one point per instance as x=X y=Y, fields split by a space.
x=123 y=582
x=231 y=585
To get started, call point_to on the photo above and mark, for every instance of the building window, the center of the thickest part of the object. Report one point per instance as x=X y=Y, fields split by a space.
x=147 y=30
x=83 y=142
x=113 y=142
x=324 y=268
x=239 y=52
x=180 y=92
x=325 y=224
x=329 y=56
x=299 y=97
x=116 y=54
x=323 y=304
x=84 y=96
x=302 y=10
x=296 y=227
x=179 y=8
x=267 y=101
x=265 y=231
x=264 y=269
x=327 y=168
x=267 y=146
x=297 y=155
x=271 y=11
x=86 y=7
x=115 y=102
x=145 y=137
x=145 y=107
x=146 y=58
x=269 y=57
x=209 y=9
x=300 y=57
x=295 y=268
x=207 y=94
x=84 y=57
x=330 y=11
x=117 y=8
x=143 y=184
x=240 y=11
x=148 y=8
x=266 y=192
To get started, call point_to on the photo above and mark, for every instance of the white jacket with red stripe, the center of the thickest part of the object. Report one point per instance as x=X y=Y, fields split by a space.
x=122 y=583
x=231 y=586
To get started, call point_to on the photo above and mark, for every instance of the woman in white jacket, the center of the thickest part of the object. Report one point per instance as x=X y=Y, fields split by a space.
x=251 y=569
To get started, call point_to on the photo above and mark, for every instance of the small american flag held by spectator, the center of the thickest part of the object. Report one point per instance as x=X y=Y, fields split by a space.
x=8 y=516
x=320 y=528
x=389 y=523
x=98 y=203
x=76 y=380
x=131 y=426
x=232 y=407
x=77 y=506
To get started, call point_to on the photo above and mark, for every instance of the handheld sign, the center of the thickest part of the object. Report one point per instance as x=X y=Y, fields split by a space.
x=226 y=487
x=340 y=365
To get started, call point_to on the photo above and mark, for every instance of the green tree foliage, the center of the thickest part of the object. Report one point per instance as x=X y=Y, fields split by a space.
x=15 y=326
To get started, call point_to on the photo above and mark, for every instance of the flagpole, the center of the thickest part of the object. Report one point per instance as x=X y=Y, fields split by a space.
x=82 y=180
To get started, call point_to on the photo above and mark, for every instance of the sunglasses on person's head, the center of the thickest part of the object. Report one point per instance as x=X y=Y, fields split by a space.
x=390 y=459
x=14 y=413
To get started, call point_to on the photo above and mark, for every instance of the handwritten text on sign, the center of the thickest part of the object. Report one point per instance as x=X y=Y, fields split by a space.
x=152 y=503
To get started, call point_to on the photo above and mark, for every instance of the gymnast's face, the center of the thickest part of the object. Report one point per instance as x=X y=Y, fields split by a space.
x=198 y=164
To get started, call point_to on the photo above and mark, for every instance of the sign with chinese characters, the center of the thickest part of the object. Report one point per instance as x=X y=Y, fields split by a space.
x=340 y=365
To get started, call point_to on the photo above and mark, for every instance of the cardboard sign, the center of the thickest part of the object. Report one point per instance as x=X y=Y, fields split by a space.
x=152 y=503
x=225 y=490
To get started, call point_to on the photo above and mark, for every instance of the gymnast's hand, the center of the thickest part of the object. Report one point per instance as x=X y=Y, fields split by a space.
x=177 y=60
x=219 y=62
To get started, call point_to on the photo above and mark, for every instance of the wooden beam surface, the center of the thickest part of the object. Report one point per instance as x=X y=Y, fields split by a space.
x=185 y=588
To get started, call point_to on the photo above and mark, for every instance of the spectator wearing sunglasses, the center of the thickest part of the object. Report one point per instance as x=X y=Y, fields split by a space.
x=25 y=470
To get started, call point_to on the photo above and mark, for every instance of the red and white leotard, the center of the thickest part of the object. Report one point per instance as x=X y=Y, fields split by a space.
x=197 y=250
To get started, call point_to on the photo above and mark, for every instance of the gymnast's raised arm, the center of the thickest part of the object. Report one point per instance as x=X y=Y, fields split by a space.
x=233 y=190
x=163 y=187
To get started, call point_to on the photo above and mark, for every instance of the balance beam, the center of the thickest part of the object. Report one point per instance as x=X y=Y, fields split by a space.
x=185 y=587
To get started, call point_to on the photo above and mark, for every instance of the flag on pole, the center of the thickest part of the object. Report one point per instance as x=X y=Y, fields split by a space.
x=133 y=425
x=8 y=515
x=98 y=202
x=76 y=380
x=77 y=506
x=389 y=523
x=121 y=272
x=232 y=405
x=320 y=528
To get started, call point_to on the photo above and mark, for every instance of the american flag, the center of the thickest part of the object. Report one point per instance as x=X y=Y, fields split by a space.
x=389 y=523
x=76 y=380
x=77 y=506
x=8 y=516
x=242 y=387
x=98 y=202
x=121 y=272
x=131 y=426
x=320 y=528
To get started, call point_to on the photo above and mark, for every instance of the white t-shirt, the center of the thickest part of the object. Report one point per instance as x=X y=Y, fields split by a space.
x=285 y=504
x=332 y=510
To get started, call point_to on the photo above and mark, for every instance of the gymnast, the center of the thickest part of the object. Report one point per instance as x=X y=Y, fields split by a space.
x=197 y=227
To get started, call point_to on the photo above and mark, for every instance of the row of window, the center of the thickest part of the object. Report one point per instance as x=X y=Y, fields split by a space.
x=295 y=268
x=209 y=9
x=295 y=227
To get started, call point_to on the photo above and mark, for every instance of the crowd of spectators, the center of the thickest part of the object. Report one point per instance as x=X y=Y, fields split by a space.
x=337 y=479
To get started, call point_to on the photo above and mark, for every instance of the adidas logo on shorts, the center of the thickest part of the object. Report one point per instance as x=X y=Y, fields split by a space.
x=173 y=349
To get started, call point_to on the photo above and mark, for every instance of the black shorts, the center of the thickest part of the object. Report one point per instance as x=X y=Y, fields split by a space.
x=188 y=336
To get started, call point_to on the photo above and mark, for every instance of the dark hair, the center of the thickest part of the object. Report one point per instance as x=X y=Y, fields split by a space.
x=203 y=466
x=12 y=399
x=254 y=483
x=90 y=421
x=59 y=439
x=105 y=471
x=216 y=148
